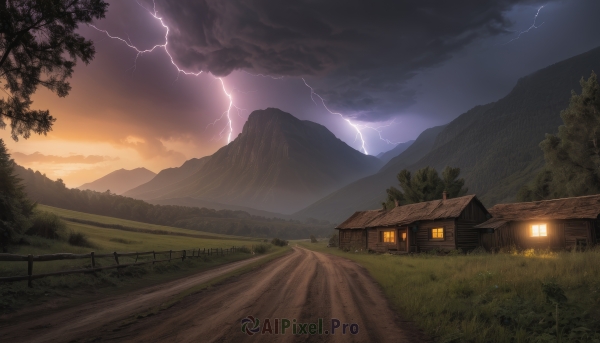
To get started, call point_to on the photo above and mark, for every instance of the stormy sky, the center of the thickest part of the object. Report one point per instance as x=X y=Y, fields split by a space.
x=393 y=68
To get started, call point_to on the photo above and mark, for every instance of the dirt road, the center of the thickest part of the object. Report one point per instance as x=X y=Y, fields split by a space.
x=304 y=286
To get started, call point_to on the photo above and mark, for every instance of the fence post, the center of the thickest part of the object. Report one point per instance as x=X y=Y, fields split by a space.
x=154 y=256
x=29 y=270
x=170 y=253
x=116 y=257
x=93 y=260
x=183 y=252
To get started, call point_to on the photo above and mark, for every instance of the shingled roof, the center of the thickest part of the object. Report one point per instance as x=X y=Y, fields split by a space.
x=407 y=214
x=585 y=207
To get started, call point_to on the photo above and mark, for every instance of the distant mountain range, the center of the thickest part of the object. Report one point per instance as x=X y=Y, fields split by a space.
x=278 y=164
x=165 y=178
x=120 y=180
x=495 y=145
x=385 y=157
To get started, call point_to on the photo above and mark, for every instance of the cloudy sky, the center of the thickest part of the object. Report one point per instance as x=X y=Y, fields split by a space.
x=389 y=69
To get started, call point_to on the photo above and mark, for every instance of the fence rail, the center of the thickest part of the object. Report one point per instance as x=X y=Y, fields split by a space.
x=183 y=254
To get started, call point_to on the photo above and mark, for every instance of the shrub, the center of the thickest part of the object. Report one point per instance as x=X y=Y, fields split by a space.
x=244 y=249
x=47 y=225
x=279 y=242
x=262 y=248
x=333 y=241
x=79 y=239
x=313 y=239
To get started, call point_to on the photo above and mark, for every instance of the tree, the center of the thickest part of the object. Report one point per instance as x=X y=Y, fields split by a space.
x=313 y=239
x=426 y=185
x=333 y=240
x=15 y=207
x=39 y=46
x=572 y=155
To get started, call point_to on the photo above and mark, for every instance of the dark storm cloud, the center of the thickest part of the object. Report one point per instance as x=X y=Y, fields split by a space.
x=358 y=53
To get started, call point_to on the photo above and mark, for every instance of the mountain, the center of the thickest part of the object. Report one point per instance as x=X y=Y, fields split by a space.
x=120 y=180
x=495 y=145
x=165 y=178
x=369 y=192
x=199 y=203
x=278 y=164
x=385 y=157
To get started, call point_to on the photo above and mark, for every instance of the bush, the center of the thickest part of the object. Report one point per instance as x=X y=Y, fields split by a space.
x=279 y=242
x=244 y=249
x=47 y=225
x=262 y=248
x=79 y=239
x=333 y=241
x=313 y=239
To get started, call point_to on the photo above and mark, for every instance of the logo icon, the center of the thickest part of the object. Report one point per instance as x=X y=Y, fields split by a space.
x=247 y=325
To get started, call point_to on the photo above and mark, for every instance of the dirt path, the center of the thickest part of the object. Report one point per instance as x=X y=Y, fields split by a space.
x=303 y=285
x=79 y=321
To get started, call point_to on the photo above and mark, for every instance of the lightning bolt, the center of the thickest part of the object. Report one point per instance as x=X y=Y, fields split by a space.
x=379 y=131
x=356 y=127
x=533 y=26
x=154 y=14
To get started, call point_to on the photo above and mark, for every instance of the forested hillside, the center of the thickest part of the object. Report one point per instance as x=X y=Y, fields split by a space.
x=54 y=193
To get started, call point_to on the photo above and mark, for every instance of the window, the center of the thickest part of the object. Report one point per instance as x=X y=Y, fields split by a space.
x=539 y=230
x=388 y=236
x=403 y=237
x=437 y=233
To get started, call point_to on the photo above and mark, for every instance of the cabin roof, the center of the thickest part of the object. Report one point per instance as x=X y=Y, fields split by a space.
x=360 y=219
x=584 y=207
x=406 y=214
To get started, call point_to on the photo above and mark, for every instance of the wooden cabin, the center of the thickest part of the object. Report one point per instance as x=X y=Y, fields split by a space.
x=567 y=223
x=445 y=224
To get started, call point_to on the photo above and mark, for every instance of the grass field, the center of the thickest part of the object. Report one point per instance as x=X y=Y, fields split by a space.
x=506 y=297
x=17 y=295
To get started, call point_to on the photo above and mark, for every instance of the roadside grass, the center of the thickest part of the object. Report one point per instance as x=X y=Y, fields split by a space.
x=491 y=297
x=16 y=295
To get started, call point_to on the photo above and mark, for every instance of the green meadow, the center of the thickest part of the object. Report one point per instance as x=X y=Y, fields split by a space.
x=16 y=295
x=505 y=297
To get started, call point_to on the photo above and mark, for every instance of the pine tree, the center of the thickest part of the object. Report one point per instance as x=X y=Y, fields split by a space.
x=573 y=155
x=426 y=185
x=15 y=207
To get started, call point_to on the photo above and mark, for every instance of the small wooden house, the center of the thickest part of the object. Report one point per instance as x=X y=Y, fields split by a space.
x=557 y=224
x=445 y=224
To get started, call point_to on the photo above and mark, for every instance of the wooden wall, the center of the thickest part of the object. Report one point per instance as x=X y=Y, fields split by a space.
x=374 y=236
x=561 y=235
x=467 y=237
x=354 y=239
x=425 y=243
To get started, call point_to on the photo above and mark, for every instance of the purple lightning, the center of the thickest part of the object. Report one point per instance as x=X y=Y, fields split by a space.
x=533 y=26
x=163 y=46
x=359 y=133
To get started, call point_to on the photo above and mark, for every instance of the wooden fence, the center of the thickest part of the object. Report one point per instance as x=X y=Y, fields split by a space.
x=183 y=254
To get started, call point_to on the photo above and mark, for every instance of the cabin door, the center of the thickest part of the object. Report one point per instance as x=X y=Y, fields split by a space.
x=402 y=239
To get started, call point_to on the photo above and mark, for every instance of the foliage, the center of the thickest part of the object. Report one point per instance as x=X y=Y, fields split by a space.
x=79 y=239
x=425 y=185
x=262 y=248
x=239 y=223
x=47 y=225
x=279 y=242
x=573 y=155
x=39 y=46
x=15 y=207
x=313 y=239
x=333 y=240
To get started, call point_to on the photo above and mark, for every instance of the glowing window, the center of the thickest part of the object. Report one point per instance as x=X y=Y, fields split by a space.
x=539 y=230
x=437 y=233
x=388 y=236
x=403 y=236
